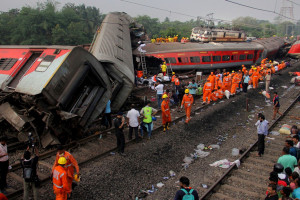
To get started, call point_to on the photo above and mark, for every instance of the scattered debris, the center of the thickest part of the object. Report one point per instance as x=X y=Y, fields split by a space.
x=160 y=185
x=221 y=163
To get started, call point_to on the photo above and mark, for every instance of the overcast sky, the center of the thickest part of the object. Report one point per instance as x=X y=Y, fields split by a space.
x=221 y=8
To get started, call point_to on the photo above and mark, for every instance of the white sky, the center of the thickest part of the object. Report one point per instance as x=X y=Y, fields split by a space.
x=221 y=8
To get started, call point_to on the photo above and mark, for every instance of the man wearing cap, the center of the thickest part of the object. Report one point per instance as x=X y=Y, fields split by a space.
x=70 y=165
x=61 y=185
x=187 y=102
x=147 y=112
x=165 y=111
x=119 y=122
x=4 y=163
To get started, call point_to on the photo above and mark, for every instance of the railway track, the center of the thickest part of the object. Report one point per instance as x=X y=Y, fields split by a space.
x=86 y=150
x=249 y=180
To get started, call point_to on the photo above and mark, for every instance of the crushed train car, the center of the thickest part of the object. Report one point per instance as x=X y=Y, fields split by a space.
x=51 y=91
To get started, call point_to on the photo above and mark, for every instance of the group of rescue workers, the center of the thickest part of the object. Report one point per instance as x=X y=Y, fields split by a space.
x=217 y=85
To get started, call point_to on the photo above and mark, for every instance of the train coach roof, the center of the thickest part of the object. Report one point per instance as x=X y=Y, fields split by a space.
x=174 y=47
x=36 y=47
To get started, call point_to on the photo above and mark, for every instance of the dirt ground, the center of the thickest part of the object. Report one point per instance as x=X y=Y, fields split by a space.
x=146 y=163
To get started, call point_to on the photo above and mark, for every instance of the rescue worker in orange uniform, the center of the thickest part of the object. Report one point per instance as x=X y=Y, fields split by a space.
x=219 y=94
x=61 y=185
x=273 y=69
x=187 y=101
x=177 y=84
x=235 y=83
x=255 y=78
x=207 y=89
x=251 y=71
x=173 y=77
x=212 y=79
x=214 y=96
x=71 y=163
x=165 y=111
x=225 y=82
x=218 y=83
x=244 y=69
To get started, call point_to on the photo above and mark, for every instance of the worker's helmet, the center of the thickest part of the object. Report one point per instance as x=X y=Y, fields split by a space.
x=243 y=65
x=173 y=73
x=165 y=96
x=262 y=67
x=282 y=61
x=255 y=68
x=187 y=91
x=232 y=71
x=62 y=161
x=270 y=61
x=278 y=168
x=164 y=62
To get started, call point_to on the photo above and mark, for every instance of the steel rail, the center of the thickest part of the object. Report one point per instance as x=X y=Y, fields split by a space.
x=220 y=181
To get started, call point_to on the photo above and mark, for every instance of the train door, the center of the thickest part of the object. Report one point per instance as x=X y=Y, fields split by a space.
x=255 y=57
x=22 y=71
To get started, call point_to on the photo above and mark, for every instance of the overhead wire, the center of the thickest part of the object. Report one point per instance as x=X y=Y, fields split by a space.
x=294 y=2
x=264 y=10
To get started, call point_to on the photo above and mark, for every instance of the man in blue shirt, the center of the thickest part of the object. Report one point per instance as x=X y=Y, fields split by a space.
x=262 y=131
x=107 y=116
x=192 y=88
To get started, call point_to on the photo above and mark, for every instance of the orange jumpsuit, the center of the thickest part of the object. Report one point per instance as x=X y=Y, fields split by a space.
x=61 y=185
x=235 y=84
x=273 y=70
x=165 y=111
x=173 y=78
x=212 y=79
x=218 y=83
x=255 y=78
x=219 y=94
x=187 y=101
x=207 y=91
x=71 y=163
x=214 y=96
x=225 y=83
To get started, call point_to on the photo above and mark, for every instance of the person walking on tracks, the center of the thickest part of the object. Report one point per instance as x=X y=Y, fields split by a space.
x=262 y=131
x=185 y=191
x=61 y=185
x=30 y=178
x=133 y=122
x=147 y=112
x=70 y=165
x=276 y=105
x=187 y=101
x=166 y=115
x=119 y=126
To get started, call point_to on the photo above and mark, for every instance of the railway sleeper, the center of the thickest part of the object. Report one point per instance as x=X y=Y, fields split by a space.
x=252 y=186
x=221 y=196
x=232 y=190
x=255 y=176
x=261 y=161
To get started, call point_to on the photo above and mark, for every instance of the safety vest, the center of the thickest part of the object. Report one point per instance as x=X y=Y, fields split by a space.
x=60 y=183
x=177 y=82
x=173 y=78
x=148 y=115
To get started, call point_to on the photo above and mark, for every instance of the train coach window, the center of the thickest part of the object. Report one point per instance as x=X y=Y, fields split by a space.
x=170 y=60
x=225 y=58
x=249 y=56
x=7 y=63
x=182 y=59
x=206 y=59
x=242 y=57
x=234 y=57
x=195 y=59
x=216 y=58
x=45 y=63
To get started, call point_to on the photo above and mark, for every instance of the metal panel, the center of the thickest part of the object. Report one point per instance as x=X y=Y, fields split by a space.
x=12 y=117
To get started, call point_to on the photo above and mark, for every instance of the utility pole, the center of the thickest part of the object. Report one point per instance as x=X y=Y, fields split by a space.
x=286 y=11
x=210 y=17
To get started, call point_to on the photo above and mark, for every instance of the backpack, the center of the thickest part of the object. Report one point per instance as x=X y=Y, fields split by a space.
x=188 y=195
x=28 y=172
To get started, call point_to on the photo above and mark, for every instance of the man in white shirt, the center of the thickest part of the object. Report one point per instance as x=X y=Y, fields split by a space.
x=159 y=92
x=296 y=141
x=262 y=131
x=133 y=122
x=3 y=164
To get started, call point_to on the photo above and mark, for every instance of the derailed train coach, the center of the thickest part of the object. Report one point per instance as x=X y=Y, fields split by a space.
x=57 y=92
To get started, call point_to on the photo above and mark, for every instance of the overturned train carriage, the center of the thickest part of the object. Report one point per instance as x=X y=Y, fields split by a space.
x=112 y=47
x=50 y=91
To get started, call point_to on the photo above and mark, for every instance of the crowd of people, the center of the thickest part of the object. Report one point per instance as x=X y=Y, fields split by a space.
x=284 y=180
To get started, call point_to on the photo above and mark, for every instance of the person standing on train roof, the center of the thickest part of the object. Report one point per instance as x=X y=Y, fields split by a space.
x=61 y=186
x=163 y=68
x=70 y=165
x=187 y=101
x=192 y=89
x=166 y=114
x=207 y=89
